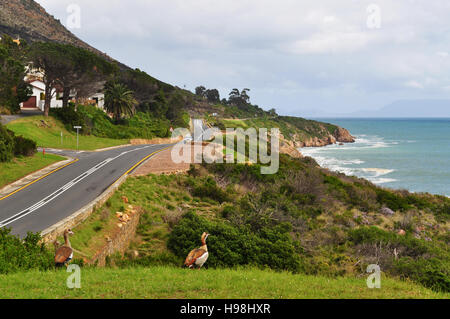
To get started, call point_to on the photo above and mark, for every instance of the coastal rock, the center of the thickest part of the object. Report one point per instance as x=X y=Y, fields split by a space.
x=289 y=148
x=387 y=211
x=343 y=136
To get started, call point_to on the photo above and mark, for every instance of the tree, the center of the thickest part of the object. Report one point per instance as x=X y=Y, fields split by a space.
x=87 y=75
x=244 y=96
x=272 y=113
x=212 y=96
x=234 y=94
x=119 y=101
x=200 y=91
x=53 y=59
x=13 y=89
x=239 y=98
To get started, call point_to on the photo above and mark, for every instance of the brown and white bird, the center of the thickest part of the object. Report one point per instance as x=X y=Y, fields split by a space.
x=198 y=257
x=64 y=254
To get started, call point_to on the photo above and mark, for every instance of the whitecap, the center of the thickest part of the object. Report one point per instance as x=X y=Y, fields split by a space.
x=382 y=180
x=378 y=171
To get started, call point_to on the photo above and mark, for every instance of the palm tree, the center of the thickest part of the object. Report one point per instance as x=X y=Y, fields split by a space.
x=119 y=101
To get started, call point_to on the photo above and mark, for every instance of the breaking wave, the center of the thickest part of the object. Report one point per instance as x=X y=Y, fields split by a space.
x=324 y=156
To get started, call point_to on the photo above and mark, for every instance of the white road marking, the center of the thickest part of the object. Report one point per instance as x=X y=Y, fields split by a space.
x=63 y=189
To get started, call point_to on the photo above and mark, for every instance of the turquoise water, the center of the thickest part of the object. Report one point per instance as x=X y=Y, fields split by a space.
x=412 y=154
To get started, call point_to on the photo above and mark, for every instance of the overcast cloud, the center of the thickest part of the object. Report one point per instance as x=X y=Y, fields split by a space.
x=301 y=57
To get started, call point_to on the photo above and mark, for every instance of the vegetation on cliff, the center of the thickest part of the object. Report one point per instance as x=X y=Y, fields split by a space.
x=304 y=219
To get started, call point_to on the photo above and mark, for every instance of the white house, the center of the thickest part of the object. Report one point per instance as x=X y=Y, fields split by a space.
x=99 y=99
x=37 y=99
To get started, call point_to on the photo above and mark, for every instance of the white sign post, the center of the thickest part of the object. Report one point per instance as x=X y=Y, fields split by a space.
x=77 y=128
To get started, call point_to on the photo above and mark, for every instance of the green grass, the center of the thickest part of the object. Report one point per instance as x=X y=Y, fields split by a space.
x=167 y=282
x=47 y=133
x=22 y=166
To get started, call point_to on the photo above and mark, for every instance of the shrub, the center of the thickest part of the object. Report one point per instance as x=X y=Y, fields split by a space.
x=97 y=122
x=17 y=254
x=24 y=146
x=208 y=188
x=423 y=262
x=230 y=246
x=392 y=200
x=6 y=144
x=69 y=116
x=432 y=273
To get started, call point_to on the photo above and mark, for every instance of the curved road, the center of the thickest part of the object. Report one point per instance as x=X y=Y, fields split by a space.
x=62 y=193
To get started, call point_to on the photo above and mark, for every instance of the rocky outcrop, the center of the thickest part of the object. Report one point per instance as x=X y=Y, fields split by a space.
x=288 y=147
x=341 y=135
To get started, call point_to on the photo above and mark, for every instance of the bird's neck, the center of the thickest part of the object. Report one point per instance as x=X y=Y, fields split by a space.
x=66 y=240
x=204 y=247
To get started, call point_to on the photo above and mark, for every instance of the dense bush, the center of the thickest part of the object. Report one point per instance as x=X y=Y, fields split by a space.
x=69 y=116
x=11 y=145
x=6 y=145
x=230 y=246
x=432 y=273
x=424 y=262
x=96 y=122
x=24 y=146
x=392 y=200
x=208 y=188
x=17 y=254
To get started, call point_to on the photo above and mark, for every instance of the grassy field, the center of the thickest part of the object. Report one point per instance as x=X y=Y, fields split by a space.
x=47 y=133
x=22 y=166
x=167 y=282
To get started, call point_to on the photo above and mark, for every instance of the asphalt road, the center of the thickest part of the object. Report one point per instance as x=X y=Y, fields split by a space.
x=62 y=193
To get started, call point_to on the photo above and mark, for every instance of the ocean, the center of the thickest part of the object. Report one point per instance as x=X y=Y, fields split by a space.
x=412 y=154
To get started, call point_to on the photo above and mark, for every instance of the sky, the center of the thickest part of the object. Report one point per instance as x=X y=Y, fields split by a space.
x=303 y=58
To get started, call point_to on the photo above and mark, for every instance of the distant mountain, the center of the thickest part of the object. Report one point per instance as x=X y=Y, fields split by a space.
x=409 y=108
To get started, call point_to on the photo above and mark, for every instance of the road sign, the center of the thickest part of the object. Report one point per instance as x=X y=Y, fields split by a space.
x=77 y=128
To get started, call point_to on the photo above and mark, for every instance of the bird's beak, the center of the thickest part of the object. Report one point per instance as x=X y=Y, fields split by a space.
x=71 y=233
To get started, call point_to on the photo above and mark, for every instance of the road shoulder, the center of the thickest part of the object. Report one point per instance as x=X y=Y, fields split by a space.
x=24 y=182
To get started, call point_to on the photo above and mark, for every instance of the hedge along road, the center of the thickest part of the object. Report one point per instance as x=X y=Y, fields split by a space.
x=59 y=195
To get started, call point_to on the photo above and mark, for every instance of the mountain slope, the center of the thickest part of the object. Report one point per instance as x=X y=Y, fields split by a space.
x=28 y=20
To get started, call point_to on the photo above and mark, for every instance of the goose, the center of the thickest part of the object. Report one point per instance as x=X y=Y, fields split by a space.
x=64 y=254
x=198 y=257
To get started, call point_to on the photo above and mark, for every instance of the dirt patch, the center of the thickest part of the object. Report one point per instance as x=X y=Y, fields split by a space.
x=162 y=162
x=139 y=141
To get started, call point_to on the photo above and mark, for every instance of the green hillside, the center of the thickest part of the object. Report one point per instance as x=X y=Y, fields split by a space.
x=47 y=133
